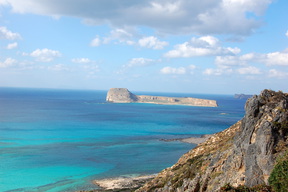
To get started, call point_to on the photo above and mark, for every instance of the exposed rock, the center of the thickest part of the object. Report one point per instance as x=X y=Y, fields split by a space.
x=243 y=154
x=120 y=95
x=242 y=96
x=123 y=95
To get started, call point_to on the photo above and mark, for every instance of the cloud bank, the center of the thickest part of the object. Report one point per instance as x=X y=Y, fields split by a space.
x=7 y=63
x=170 y=16
x=177 y=70
x=45 y=55
x=7 y=34
x=203 y=46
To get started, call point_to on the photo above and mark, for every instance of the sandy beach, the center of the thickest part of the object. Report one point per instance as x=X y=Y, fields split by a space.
x=193 y=140
x=126 y=183
x=196 y=140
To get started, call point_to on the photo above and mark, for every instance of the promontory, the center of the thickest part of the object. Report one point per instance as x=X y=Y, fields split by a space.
x=123 y=95
x=251 y=155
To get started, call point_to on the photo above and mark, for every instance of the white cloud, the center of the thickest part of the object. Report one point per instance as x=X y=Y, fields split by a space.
x=138 y=62
x=211 y=71
x=227 y=60
x=273 y=73
x=152 y=42
x=249 y=70
x=81 y=60
x=274 y=58
x=58 y=67
x=191 y=67
x=277 y=58
x=8 y=63
x=171 y=70
x=92 y=69
x=95 y=42
x=129 y=36
x=87 y=64
x=6 y=34
x=12 y=45
x=226 y=64
x=121 y=35
x=177 y=70
x=230 y=61
x=45 y=55
x=203 y=46
x=286 y=33
x=217 y=71
x=171 y=16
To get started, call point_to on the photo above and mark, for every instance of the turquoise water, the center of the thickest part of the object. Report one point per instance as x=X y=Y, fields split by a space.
x=60 y=140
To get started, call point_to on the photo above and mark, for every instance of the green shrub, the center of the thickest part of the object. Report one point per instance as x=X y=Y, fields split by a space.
x=279 y=175
x=226 y=187
x=242 y=188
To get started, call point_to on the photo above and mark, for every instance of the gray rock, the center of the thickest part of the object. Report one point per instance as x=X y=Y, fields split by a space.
x=243 y=154
x=120 y=95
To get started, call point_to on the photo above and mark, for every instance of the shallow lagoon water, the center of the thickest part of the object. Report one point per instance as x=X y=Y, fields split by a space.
x=60 y=140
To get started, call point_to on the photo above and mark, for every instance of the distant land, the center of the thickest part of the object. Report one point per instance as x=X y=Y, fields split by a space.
x=242 y=96
x=123 y=95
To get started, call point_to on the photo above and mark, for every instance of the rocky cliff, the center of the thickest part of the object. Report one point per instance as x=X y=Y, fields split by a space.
x=123 y=95
x=243 y=154
x=120 y=95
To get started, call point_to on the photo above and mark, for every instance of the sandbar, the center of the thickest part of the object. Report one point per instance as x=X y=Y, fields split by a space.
x=122 y=183
x=193 y=140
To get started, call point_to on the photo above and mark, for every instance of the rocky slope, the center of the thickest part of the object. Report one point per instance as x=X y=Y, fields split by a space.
x=243 y=154
x=123 y=95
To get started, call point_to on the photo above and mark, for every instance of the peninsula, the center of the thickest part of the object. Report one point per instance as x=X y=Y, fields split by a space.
x=251 y=155
x=123 y=95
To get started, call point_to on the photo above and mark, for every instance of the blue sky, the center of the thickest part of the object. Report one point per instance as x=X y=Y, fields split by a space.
x=208 y=46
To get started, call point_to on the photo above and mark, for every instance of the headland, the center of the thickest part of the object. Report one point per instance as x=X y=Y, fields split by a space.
x=123 y=95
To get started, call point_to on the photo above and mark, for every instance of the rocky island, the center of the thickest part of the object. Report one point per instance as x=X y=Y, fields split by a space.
x=123 y=95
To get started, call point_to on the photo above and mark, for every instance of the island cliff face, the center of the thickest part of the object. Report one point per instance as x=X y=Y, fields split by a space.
x=123 y=95
x=244 y=154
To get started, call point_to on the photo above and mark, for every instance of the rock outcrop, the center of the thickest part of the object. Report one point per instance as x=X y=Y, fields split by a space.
x=242 y=96
x=123 y=95
x=243 y=154
x=120 y=95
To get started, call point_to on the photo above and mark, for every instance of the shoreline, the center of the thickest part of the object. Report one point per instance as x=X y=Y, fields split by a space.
x=122 y=183
x=192 y=140
x=131 y=183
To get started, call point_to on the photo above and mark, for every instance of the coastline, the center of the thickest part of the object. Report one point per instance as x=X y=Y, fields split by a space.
x=192 y=140
x=122 y=183
x=131 y=183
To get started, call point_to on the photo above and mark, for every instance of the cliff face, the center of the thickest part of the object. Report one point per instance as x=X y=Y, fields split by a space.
x=123 y=95
x=120 y=95
x=243 y=154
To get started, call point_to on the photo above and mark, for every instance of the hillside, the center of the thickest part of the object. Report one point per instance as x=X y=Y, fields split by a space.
x=244 y=154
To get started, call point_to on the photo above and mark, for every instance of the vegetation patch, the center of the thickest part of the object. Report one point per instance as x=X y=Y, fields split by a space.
x=242 y=188
x=188 y=170
x=279 y=175
x=216 y=174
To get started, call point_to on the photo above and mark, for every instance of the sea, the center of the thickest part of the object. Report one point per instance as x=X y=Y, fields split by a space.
x=56 y=140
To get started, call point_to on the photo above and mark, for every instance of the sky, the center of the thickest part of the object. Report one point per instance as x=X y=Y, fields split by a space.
x=184 y=46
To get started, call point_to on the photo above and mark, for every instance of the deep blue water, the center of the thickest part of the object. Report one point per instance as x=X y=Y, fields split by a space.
x=60 y=140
